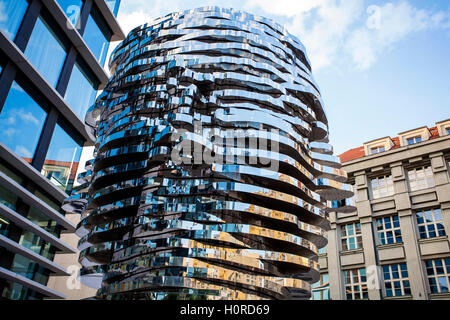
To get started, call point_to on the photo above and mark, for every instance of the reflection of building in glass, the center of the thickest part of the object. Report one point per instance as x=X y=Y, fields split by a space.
x=229 y=219
x=61 y=173
x=401 y=227
x=49 y=76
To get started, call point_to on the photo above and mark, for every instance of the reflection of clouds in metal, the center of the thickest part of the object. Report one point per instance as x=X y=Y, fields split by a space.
x=157 y=230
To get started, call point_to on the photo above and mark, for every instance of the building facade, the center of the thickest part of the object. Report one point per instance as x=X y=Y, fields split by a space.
x=396 y=245
x=212 y=165
x=52 y=56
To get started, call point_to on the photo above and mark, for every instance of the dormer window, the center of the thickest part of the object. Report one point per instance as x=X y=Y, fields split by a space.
x=414 y=140
x=377 y=149
x=378 y=145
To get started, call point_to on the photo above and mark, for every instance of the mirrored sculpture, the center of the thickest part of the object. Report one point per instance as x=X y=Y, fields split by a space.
x=212 y=169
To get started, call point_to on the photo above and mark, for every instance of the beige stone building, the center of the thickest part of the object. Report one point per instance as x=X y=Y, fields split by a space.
x=396 y=245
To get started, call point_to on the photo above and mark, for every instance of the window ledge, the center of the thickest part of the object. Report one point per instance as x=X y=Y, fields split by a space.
x=445 y=295
x=398 y=298
x=353 y=251
x=435 y=239
x=390 y=245
x=382 y=199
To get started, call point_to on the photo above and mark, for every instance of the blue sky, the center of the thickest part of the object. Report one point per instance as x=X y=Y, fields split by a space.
x=382 y=67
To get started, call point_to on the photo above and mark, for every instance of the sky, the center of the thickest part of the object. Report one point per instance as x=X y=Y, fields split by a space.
x=382 y=67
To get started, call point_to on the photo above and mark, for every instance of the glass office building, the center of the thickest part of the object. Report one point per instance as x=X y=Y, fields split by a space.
x=52 y=56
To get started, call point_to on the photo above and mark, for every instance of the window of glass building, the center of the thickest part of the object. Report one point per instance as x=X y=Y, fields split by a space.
x=43 y=221
x=113 y=6
x=382 y=187
x=438 y=272
x=11 y=16
x=356 y=284
x=4 y=226
x=97 y=35
x=63 y=156
x=15 y=291
x=351 y=236
x=47 y=50
x=396 y=280
x=37 y=244
x=30 y=269
x=388 y=230
x=81 y=81
x=414 y=140
x=21 y=122
x=72 y=9
x=420 y=178
x=49 y=201
x=321 y=289
x=430 y=223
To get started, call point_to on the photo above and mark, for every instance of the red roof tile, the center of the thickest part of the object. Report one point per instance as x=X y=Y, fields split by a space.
x=352 y=154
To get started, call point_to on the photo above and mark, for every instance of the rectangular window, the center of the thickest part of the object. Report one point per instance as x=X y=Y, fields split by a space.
x=351 y=236
x=97 y=35
x=11 y=16
x=377 y=150
x=447 y=130
x=396 y=280
x=356 y=284
x=72 y=9
x=388 y=230
x=21 y=122
x=414 y=140
x=420 y=178
x=321 y=289
x=430 y=223
x=438 y=272
x=63 y=156
x=81 y=81
x=113 y=6
x=382 y=187
x=15 y=291
x=43 y=44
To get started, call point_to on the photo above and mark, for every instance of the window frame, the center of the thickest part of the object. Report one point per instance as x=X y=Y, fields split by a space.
x=377 y=149
x=417 y=183
x=445 y=274
x=357 y=236
x=388 y=188
x=415 y=139
x=427 y=223
x=356 y=272
x=392 y=280
x=385 y=230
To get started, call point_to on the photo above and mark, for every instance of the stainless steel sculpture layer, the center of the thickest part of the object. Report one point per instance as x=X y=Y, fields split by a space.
x=212 y=168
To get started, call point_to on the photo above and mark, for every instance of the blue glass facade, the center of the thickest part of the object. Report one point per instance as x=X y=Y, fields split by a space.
x=43 y=44
x=21 y=122
x=11 y=15
x=81 y=81
x=113 y=6
x=72 y=9
x=42 y=129
x=61 y=162
x=97 y=36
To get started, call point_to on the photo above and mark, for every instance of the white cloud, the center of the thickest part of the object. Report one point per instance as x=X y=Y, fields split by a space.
x=396 y=22
x=9 y=132
x=333 y=31
x=29 y=117
x=23 y=151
